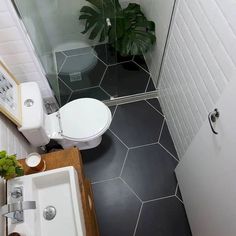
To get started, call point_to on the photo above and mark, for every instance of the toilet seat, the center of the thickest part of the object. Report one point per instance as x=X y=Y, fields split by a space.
x=84 y=119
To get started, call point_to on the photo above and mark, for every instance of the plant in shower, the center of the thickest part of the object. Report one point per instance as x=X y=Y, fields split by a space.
x=126 y=29
x=9 y=166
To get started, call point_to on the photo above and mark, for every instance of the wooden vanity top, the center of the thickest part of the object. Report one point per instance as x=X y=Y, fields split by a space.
x=72 y=157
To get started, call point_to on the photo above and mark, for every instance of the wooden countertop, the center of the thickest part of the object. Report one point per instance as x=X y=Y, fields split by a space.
x=72 y=157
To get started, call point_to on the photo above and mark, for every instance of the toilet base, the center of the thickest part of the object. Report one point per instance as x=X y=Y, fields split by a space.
x=80 y=145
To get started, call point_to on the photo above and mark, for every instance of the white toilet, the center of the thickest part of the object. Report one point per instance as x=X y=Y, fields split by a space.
x=80 y=123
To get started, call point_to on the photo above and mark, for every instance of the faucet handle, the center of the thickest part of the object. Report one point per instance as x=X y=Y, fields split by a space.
x=17 y=192
x=18 y=206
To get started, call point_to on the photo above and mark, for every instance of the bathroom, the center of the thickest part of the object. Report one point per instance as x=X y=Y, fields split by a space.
x=164 y=161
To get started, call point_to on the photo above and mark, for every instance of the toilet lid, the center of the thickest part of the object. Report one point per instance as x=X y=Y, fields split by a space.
x=84 y=119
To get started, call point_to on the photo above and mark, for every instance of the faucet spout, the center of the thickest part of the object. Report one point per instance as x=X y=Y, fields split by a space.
x=15 y=210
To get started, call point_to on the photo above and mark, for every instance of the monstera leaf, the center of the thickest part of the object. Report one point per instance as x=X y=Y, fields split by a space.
x=95 y=17
x=130 y=32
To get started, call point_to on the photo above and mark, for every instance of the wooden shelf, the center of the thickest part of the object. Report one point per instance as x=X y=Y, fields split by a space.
x=72 y=157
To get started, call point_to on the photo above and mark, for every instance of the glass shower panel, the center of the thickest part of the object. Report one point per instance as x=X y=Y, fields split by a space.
x=76 y=66
x=32 y=20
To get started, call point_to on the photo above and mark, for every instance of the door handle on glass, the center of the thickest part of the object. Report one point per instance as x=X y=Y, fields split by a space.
x=212 y=118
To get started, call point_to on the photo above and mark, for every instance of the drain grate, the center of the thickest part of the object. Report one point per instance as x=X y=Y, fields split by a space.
x=76 y=76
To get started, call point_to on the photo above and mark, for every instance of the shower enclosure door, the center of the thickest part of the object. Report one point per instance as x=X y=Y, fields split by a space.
x=76 y=66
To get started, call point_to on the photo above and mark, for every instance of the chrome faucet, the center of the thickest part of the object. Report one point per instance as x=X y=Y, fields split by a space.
x=15 y=210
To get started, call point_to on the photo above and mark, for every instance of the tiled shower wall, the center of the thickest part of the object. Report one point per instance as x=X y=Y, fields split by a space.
x=200 y=61
x=16 y=50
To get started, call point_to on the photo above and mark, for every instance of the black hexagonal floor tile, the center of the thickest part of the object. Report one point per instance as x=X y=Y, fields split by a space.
x=137 y=123
x=109 y=55
x=164 y=217
x=125 y=79
x=78 y=75
x=141 y=62
x=95 y=92
x=151 y=86
x=155 y=103
x=117 y=208
x=65 y=92
x=149 y=171
x=106 y=160
x=167 y=141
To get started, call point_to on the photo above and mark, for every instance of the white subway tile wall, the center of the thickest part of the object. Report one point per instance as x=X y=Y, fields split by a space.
x=16 y=51
x=19 y=58
x=199 y=62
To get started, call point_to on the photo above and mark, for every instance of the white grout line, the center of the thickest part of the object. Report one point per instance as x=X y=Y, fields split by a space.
x=100 y=59
x=147 y=83
x=62 y=52
x=119 y=63
x=118 y=138
x=131 y=190
x=176 y=190
x=62 y=66
x=65 y=84
x=103 y=75
x=154 y=108
x=179 y=200
x=104 y=91
x=142 y=68
x=114 y=111
x=162 y=126
x=68 y=100
x=137 y=222
x=122 y=168
x=158 y=199
x=144 y=145
x=82 y=89
x=106 y=180
x=169 y=152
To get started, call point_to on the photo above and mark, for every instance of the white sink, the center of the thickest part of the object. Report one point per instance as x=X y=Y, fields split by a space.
x=58 y=188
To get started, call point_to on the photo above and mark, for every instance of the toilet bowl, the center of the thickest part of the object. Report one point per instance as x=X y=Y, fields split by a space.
x=80 y=123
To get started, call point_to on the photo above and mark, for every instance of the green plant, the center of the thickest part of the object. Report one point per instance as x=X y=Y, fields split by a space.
x=9 y=166
x=130 y=32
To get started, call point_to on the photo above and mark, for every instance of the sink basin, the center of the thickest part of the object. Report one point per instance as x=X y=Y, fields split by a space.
x=58 y=189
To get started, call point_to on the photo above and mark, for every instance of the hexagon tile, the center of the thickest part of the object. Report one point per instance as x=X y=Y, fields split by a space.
x=117 y=208
x=153 y=165
x=134 y=184
x=105 y=161
x=100 y=72
x=137 y=123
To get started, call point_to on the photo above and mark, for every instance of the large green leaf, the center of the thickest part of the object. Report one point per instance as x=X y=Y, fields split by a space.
x=130 y=32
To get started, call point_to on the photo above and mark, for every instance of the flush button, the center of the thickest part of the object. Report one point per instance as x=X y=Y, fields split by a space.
x=29 y=103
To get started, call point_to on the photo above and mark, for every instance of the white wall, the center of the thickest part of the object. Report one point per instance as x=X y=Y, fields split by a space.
x=200 y=61
x=160 y=12
x=14 y=143
x=16 y=51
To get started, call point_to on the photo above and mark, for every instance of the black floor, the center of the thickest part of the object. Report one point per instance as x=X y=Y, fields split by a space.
x=132 y=175
x=108 y=75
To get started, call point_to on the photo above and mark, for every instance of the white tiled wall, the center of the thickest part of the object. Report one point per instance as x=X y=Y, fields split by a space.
x=200 y=61
x=16 y=50
x=14 y=143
